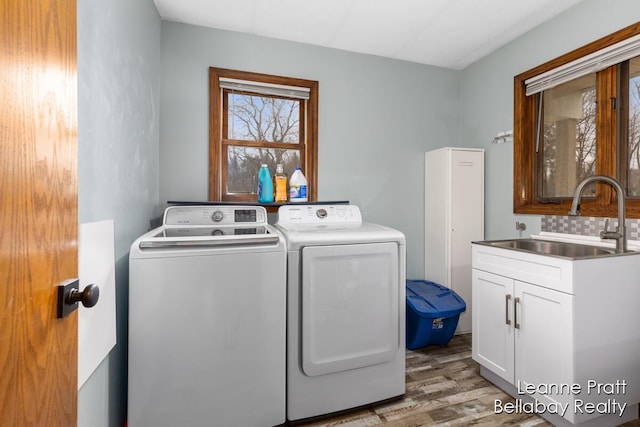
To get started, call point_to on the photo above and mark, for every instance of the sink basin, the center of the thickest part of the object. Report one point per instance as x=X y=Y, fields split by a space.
x=548 y=247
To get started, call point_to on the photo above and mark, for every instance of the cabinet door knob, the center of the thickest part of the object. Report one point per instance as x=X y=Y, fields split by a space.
x=516 y=301
x=506 y=310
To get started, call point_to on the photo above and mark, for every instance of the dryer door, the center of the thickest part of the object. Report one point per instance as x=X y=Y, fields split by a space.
x=350 y=316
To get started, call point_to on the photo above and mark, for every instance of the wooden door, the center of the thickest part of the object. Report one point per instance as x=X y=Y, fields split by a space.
x=38 y=211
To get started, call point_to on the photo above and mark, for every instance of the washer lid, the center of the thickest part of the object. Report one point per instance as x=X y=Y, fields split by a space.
x=176 y=237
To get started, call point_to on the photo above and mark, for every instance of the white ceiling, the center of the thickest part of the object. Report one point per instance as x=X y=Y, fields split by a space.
x=445 y=33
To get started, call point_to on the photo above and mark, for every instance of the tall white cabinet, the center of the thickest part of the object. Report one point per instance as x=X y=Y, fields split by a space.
x=454 y=217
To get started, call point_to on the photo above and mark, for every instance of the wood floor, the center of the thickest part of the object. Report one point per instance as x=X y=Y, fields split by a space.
x=444 y=388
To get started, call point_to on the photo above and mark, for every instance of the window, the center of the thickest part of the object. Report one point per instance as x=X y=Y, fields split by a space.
x=633 y=129
x=576 y=116
x=259 y=119
x=566 y=140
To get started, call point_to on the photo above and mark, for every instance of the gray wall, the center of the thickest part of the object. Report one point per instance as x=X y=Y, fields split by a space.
x=377 y=117
x=487 y=96
x=118 y=167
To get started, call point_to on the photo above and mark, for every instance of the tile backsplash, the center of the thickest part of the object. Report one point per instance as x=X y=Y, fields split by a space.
x=587 y=226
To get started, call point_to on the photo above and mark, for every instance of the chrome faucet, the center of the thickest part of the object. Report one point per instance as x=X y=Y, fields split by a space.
x=620 y=235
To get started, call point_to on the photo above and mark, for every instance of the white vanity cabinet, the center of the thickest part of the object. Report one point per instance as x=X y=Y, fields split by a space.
x=541 y=322
x=521 y=331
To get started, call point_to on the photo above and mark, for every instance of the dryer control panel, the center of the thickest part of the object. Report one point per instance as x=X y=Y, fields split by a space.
x=319 y=214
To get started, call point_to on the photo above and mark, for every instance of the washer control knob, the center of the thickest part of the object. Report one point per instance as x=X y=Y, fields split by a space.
x=217 y=216
x=321 y=213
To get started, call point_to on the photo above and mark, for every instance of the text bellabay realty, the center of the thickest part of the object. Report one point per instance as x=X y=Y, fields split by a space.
x=610 y=406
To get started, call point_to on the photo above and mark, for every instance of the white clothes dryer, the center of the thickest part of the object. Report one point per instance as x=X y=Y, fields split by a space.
x=345 y=310
x=207 y=309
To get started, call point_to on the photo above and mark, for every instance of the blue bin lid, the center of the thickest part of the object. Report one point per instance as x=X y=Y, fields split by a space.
x=433 y=300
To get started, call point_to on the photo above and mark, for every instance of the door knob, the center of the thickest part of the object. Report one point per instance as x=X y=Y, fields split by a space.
x=88 y=297
x=69 y=296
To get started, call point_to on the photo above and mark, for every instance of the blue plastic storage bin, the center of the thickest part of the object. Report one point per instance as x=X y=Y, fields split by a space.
x=432 y=313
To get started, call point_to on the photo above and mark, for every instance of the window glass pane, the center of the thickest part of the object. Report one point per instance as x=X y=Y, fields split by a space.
x=633 y=178
x=568 y=139
x=243 y=164
x=263 y=118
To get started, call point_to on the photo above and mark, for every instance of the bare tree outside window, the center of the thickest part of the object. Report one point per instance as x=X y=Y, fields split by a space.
x=262 y=119
x=569 y=137
x=633 y=177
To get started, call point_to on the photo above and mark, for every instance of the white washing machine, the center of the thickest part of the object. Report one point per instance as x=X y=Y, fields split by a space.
x=345 y=310
x=207 y=311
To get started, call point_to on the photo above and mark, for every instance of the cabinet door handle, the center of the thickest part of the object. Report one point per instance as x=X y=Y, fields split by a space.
x=516 y=301
x=506 y=310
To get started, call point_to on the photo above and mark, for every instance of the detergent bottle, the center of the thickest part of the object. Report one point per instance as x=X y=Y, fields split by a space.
x=298 y=187
x=280 y=185
x=265 y=186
